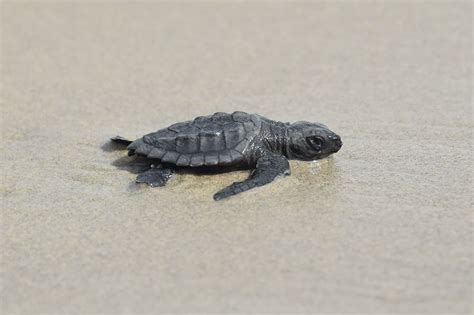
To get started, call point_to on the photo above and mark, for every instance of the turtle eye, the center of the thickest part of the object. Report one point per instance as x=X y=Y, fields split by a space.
x=315 y=142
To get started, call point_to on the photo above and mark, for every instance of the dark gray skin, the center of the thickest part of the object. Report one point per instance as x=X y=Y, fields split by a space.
x=226 y=140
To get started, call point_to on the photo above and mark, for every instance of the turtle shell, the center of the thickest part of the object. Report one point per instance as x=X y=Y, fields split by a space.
x=219 y=139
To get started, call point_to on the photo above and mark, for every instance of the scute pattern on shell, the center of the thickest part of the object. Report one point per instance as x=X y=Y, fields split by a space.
x=219 y=139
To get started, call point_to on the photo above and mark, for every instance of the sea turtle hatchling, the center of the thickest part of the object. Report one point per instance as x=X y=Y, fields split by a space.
x=224 y=140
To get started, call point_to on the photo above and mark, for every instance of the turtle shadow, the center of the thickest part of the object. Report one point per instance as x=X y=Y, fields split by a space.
x=134 y=165
x=111 y=146
x=209 y=170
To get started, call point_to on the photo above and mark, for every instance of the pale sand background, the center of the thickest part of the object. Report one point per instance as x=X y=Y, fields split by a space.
x=383 y=227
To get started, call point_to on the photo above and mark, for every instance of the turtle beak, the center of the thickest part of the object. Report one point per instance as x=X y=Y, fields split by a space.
x=337 y=143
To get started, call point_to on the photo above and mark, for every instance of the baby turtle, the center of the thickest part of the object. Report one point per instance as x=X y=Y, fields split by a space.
x=239 y=139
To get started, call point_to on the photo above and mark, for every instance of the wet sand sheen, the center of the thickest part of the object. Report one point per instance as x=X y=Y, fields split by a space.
x=382 y=226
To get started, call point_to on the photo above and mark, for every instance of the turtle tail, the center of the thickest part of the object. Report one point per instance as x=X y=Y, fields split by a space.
x=121 y=140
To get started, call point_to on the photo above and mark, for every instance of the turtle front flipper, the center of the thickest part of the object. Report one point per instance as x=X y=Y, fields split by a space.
x=268 y=168
x=155 y=176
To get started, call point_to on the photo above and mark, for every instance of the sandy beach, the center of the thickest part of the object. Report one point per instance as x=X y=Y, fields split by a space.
x=383 y=226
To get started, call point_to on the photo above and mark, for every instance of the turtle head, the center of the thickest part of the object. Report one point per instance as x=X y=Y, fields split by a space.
x=311 y=141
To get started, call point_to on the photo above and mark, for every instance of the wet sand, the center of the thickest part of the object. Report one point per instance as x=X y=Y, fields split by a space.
x=384 y=226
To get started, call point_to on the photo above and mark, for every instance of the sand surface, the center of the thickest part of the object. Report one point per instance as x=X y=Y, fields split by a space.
x=385 y=226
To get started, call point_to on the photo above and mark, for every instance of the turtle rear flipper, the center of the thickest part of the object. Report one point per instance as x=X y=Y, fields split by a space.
x=121 y=140
x=156 y=176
